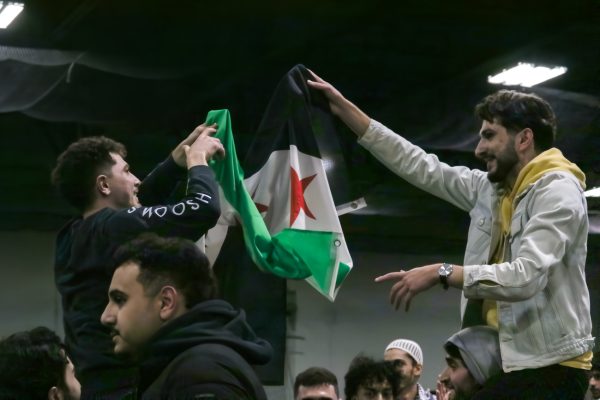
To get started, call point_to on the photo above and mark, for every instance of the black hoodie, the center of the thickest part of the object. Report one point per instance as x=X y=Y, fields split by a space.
x=84 y=267
x=206 y=351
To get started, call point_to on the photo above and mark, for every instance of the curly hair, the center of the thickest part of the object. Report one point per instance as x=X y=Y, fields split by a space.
x=31 y=362
x=364 y=371
x=170 y=261
x=78 y=166
x=517 y=111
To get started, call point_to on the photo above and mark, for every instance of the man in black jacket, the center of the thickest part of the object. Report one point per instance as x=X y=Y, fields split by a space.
x=94 y=178
x=34 y=365
x=163 y=313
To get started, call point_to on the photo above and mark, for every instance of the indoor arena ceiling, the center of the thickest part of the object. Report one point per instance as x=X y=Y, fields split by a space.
x=146 y=71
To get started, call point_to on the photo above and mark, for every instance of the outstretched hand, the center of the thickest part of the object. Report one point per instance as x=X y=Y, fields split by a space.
x=410 y=283
x=352 y=116
x=335 y=98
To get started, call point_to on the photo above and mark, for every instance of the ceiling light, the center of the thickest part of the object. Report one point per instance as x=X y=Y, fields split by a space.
x=595 y=192
x=9 y=12
x=526 y=74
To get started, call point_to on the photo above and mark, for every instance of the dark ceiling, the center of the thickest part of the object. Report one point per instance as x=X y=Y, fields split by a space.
x=146 y=72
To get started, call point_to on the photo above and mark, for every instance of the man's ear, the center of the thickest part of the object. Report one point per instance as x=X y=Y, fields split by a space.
x=102 y=185
x=418 y=368
x=525 y=140
x=171 y=303
x=54 y=393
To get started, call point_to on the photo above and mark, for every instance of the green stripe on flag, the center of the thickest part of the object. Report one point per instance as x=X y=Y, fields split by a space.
x=291 y=253
x=343 y=271
x=312 y=249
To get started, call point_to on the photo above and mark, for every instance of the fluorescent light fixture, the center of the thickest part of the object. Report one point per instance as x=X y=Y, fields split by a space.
x=526 y=74
x=9 y=12
x=595 y=192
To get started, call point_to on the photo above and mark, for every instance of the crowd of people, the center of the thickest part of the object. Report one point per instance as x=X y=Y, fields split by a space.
x=143 y=319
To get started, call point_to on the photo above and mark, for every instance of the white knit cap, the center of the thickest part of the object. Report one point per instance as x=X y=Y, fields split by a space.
x=412 y=348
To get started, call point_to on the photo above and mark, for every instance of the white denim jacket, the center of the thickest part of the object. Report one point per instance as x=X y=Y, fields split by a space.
x=542 y=296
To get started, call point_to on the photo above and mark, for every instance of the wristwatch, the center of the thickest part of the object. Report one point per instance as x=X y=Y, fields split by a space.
x=444 y=272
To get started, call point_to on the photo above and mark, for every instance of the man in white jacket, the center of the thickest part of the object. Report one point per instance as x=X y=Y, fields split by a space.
x=523 y=270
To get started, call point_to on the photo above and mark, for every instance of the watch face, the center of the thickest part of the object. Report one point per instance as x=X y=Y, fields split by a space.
x=444 y=272
x=445 y=269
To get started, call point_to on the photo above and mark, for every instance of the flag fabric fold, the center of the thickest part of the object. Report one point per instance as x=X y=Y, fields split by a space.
x=312 y=246
x=278 y=217
x=290 y=253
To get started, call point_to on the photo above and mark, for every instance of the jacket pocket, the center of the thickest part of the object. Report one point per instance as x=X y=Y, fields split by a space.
x=517 y=225
x=478 y=242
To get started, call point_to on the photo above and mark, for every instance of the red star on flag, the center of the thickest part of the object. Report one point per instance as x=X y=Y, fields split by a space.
x=260 y=207
x=298 y=186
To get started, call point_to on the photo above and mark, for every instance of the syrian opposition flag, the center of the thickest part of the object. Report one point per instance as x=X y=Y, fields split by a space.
x=286 y=209
x=281 y=206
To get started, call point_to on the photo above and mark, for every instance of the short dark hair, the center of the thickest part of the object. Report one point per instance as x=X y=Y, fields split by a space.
x=170 y=261
x=315 y=376
x=31 y=363
x=78 y=166
x=364 y=370
x=516 y=111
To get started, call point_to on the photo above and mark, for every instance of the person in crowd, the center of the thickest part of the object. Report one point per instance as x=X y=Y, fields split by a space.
x=474 y=363
x=316 y=383
x=407 y=358
x=163 y=313
x=93 y=176
x=594 y=389
x=34 y=365
x=524 y=266
x=368 y=379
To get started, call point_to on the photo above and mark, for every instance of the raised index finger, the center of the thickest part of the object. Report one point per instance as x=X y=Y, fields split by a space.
x=389 y=276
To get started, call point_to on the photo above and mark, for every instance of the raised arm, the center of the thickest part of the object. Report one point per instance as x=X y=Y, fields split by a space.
x=457 y=185
x=349 y=113
x=192 y=215
x=158 y=186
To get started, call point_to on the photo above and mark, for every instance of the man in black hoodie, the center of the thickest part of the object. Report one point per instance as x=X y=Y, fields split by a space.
x=94 y=177
x=474 y=364
x=163 y=312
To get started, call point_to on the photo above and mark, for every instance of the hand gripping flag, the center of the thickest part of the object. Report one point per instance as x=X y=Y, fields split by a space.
x=284 y=207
